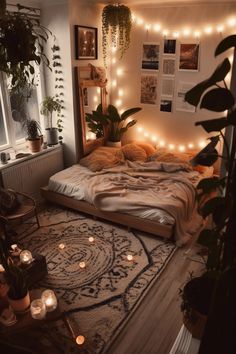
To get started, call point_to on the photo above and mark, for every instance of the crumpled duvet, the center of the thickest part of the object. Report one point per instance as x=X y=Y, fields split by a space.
x=136 y=186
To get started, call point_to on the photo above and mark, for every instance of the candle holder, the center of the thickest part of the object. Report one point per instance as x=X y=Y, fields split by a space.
x=38 y=309
x=26 y=257
x=49 y=299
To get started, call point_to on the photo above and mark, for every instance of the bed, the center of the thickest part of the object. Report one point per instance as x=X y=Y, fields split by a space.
x=154 y=193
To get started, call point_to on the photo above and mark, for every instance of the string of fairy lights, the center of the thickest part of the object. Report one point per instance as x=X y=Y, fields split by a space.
x=163 y=30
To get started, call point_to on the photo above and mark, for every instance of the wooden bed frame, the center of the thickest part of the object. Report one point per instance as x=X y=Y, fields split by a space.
x=84 y=78
x=152 y=227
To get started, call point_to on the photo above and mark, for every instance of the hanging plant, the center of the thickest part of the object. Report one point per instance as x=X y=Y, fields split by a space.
x=116 y=20
x=21 y=45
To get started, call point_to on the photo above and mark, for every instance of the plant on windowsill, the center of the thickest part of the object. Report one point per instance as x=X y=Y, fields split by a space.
x=117 y=20
x=213 y=94
x=112 y=123
x=21 y=45
x=34 y=135
x=48 y=106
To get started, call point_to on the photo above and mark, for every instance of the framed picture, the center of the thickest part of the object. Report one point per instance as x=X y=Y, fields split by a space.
x=169 y=46
x=150 y=56
x=85 y=42
x=189 y=57
x=168 y=67
x=181 y=104
x=148 y=89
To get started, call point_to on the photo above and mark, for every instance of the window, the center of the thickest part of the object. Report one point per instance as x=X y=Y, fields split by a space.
x=15 y=109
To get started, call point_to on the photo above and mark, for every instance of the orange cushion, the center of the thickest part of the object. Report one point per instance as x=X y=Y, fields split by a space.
x=148 y=148
x=133 y=152
x=102 y=157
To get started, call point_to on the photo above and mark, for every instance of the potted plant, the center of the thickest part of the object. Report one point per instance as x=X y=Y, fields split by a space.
x=48 y=106
x=117 y=20
x=34 y=135
x=213 y=94
x=21 y=44
x=97 y=121
x=18 y=294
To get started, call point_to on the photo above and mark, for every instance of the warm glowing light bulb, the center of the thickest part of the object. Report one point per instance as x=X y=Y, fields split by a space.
x=186 y=32
x=181 y=148
x=202 y=144
x=162 y=143
x=114 y=83
x=197 y=34
x=175 y=34
x=113 y=49
x=82 y=265
x=91 y=239
x=140 y=129
x=61 y=246
x=165 y=33
x=157 y=27
x=208 y=30
x=147 y=27
x=190 y=146
x=220 y=28
x=98 y=90
x=171 y=146
x=232 y=21
x=121 y=92
x=119 y=71
x=154 y=138
x=118 y=103
x=139 y=21
x=146 y=134
x=113 y=60
x=95 y=99
x=80 y=340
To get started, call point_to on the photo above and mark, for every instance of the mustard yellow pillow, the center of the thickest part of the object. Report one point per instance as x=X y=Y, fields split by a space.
x=133 y=152
x=101 y=158
x=148 y=148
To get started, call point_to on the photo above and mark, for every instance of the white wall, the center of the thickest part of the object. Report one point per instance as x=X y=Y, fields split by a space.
x=176 y=127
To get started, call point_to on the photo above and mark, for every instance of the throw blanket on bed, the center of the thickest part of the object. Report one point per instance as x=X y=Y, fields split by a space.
x=136 y=186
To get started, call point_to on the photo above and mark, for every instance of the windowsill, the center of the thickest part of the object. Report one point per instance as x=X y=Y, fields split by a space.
x=14 y=161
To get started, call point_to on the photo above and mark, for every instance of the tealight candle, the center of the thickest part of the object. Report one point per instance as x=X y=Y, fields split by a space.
x=49 y=299
x=80 y=340
x=61 y=246
x=2 y=268
x=14 y=247
x=91 y=239
x=82 y=265
x=38 y=309
x=26 y=257
x=130 y=257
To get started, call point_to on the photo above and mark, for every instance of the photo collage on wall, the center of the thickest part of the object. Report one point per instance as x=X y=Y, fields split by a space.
x=151 y=83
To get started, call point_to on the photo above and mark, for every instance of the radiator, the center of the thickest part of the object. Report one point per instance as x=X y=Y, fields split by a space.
x=29 y=175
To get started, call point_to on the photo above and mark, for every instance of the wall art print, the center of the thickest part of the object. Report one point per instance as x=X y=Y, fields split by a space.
x=180 y=103
x=148 y=89
x=168 y=66
x=85 y=42
x=169 y=46
x=189 y=57
x=150 y=56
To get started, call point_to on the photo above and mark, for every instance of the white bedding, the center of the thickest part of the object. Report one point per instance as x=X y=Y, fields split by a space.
x=163 y=192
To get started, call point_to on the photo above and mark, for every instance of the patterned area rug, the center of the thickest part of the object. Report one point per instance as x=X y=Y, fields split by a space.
x=99 y=298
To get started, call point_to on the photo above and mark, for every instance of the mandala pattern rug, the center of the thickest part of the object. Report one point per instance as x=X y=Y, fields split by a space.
x=101 y=297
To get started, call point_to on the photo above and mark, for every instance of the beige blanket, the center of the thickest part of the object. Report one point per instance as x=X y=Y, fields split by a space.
x=167 y=186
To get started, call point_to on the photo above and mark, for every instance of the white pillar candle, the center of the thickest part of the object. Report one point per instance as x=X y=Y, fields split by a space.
x=49 y=299
x=26 y=257
x=38 y=309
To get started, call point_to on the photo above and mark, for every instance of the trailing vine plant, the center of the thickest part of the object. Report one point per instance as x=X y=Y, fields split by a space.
x=116 y=21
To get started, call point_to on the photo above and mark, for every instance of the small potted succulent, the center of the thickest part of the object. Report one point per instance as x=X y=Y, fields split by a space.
x=48 y=106
x=34 y=135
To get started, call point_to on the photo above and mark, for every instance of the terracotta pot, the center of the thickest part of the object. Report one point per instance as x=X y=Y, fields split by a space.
x=196 y=325
x=21 y=305
x=113 y=143
x=35 y=145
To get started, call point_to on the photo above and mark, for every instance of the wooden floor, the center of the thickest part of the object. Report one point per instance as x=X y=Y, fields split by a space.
x=156 y=322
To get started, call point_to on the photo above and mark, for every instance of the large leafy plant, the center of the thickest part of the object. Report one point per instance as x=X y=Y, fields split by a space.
x=21 y=45
x=213 y=94
x=112 y=122
x=116 y=20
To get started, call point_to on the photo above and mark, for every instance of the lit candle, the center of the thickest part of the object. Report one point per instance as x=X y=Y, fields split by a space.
x=38 y=309
x=82 y=265
x=91 y=239
x=130 y=257
x=2 y=268
x=80 y=340
x=26 y=257
x=61 y=246
x=14 y=247
x=49 y=299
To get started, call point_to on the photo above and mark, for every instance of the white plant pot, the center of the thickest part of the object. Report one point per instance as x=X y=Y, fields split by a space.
x=113 y=143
